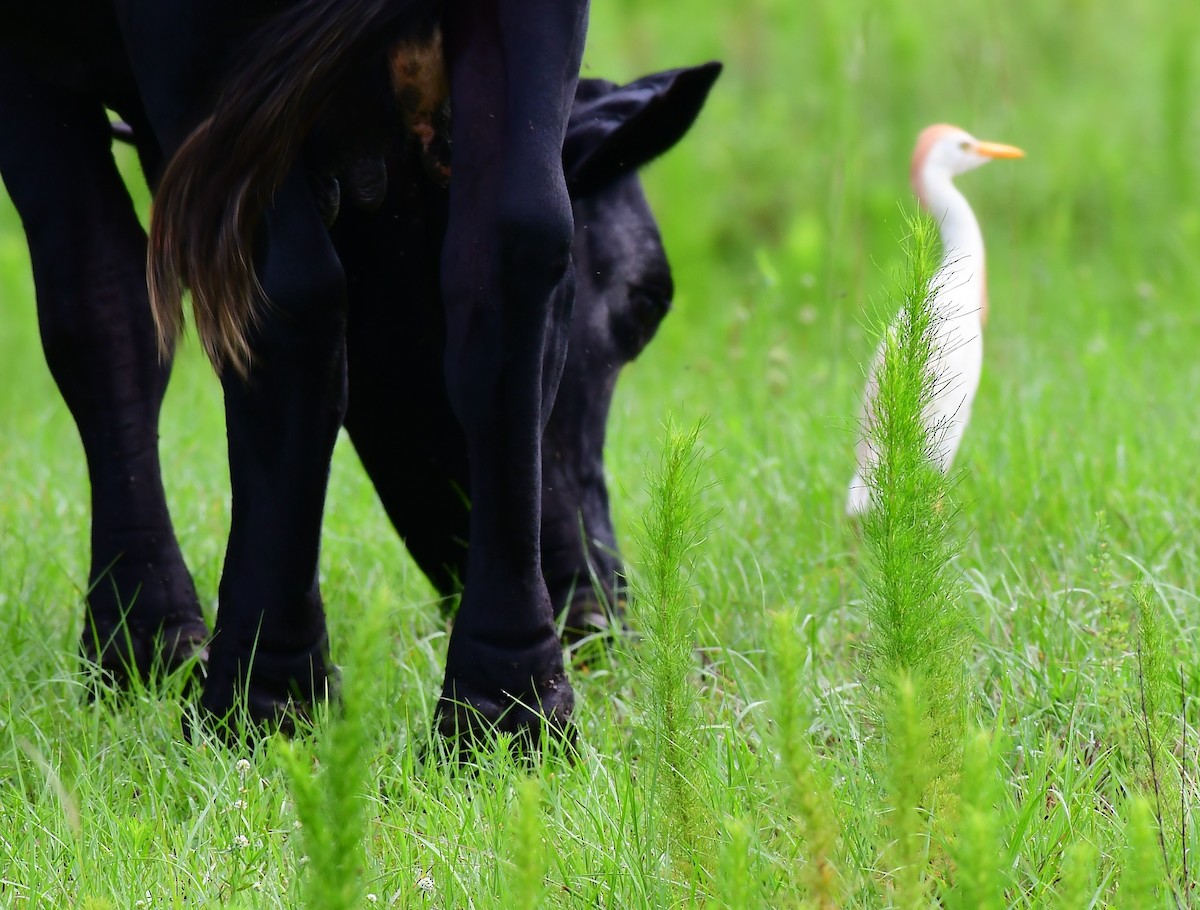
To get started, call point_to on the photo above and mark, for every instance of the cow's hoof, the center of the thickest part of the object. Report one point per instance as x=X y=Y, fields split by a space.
x=277 y=695
x=469 y=714
x=589 y=617
x=124 y=654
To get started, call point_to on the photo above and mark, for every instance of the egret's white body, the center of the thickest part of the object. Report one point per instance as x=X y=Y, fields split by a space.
x=959 y=290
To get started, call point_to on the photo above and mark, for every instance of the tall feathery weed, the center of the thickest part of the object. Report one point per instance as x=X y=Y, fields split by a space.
x=736 y=888
x=917 y=649
x=805 y=785
x=1142 y=872
x=979 y=881
x=672 y=529
x=1077 y=883
x=525 y=881
x=329 y=785
x=913 y=593
x=907 y=779
x=1157 y=706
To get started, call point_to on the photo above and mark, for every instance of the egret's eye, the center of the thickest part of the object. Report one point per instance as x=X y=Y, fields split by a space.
x=965 y=146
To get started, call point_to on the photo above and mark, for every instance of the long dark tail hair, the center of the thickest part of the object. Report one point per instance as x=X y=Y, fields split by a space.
x=214 y=190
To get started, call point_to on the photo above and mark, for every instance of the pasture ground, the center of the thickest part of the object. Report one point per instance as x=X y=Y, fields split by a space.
x=782 y=216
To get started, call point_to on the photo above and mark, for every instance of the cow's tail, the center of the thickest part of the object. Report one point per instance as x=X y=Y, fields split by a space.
x=217 y=185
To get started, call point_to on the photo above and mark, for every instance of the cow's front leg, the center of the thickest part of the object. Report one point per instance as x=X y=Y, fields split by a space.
x=88 y=252
x=270 y=644
x=508 y=291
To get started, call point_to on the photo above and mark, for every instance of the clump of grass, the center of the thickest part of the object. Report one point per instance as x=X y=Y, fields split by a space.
x=918 y=644
x=671 y=531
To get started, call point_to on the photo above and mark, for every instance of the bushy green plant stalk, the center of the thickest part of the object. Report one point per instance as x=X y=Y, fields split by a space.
x=1077 y=877
x=735 y=887
x=1142 y=871
x=1157 y=691
x=918 y=634
x=806 y=788
x=907 y=779
x=1157 y=701
x=917 y=649
x=526 y=881
x=329 y=789
x=672 y=528
x=979 y=881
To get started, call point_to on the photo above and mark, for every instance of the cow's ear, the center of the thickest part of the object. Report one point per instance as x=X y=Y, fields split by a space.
x=615 y=129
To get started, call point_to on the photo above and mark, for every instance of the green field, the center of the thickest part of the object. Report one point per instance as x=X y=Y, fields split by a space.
x=783 y=214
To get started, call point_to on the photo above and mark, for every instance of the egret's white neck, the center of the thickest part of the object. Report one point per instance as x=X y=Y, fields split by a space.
x=962 y=241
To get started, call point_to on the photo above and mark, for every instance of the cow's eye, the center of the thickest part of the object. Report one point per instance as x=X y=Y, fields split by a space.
x=634 y=324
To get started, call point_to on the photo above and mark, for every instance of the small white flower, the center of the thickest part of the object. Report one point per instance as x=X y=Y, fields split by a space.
x=257 y=886
x=243 y=767
x=241 y=842
x=372 y=898
x=425 y=883
x=239 y=805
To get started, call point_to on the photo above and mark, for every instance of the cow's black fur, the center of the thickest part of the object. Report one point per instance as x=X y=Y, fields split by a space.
x=506 y=280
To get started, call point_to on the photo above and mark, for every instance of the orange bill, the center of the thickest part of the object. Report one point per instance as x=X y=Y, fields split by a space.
x=997 y=150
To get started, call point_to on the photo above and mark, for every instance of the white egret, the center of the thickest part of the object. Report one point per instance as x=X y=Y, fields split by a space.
x=959 y=290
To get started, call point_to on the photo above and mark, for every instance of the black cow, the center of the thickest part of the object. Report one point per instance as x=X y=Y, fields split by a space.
x=506 y=282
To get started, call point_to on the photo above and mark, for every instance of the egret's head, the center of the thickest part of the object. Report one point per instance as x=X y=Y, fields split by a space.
x=945 y=151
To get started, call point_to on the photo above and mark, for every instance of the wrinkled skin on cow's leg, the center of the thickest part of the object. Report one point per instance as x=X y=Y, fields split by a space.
x=508 y=289
x=88 y=252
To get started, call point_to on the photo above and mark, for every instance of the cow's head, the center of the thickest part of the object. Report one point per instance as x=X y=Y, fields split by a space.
x=623 y=290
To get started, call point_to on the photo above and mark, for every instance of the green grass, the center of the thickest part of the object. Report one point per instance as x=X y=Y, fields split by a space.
x=782 y=214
